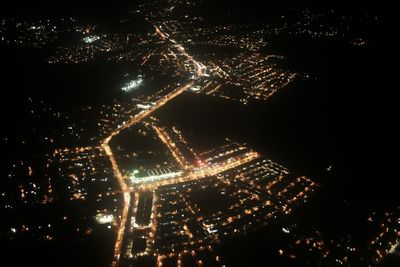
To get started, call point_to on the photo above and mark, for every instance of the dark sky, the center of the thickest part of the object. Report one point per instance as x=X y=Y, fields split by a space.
x=65 y=8
x=113 y=7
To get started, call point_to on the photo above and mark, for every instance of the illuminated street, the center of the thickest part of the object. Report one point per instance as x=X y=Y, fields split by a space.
x=137 y=118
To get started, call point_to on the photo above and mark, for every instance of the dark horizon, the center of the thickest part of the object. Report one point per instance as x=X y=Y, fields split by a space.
x=95 y=9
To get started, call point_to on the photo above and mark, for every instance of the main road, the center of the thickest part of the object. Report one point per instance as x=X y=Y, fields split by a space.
x=197 y=173
x=137 y=118
x=124 y=188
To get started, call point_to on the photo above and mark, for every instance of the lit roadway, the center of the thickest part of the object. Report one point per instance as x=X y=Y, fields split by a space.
x=171 y=146
x=201 y=69
x=124 y=188
x=137 y=118
x=127 y=201
x=199 y=173
x=191 y=173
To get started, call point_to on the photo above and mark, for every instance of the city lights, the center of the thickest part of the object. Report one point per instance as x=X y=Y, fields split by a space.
x=190 y=133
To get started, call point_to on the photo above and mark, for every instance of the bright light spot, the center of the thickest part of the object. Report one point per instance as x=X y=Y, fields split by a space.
x=200 y=162
x=141 y=106
x=91 y=39
x=135 y=172
x=128 y=87
x=104 y=218
x=195 y=88
x=153 y=178
x=211 y=231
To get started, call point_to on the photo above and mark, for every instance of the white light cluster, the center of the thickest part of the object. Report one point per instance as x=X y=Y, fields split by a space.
x=153 y=178
x=142 y=106
x=133 y=84
x=91 y=39
x=104 y=218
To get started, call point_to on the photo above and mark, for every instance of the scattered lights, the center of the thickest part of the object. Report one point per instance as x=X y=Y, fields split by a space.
x=133 y=84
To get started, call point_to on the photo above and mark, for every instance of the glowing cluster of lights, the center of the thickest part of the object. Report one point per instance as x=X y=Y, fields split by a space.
x=36 y=27
x=144 y=106
x=91 y=39
x=133 y=84
x=102 y=218
x=154 y=178
x=395 y=249
x=195 y=88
